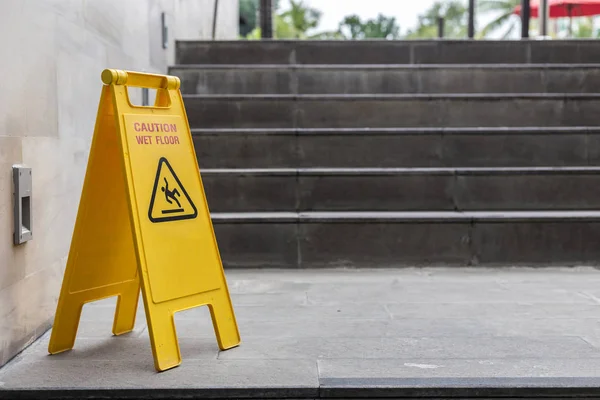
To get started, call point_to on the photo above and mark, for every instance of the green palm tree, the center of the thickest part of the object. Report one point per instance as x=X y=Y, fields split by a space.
x=504 y=17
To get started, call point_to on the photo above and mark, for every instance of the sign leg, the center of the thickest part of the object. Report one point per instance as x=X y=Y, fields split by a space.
x=163 y=338
x=224 y=322
x=65 y=326
x=126 y=310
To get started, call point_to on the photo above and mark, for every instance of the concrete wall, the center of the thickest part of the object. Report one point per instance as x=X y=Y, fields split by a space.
x=53 y=52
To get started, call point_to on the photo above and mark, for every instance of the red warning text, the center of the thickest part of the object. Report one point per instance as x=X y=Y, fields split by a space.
x=167 y=139
x=143 y=139
x=147 y=139
x=154 y=127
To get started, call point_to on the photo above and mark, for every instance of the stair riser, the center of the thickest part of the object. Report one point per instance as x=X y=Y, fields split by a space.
x=381 y=151
x=387 y=52
x=235 y=193
x=365 y=81
x=457 y=112
x=306 y=245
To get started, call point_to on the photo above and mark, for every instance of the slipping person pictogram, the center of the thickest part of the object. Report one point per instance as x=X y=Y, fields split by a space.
x=161 y=207
x=170 y=194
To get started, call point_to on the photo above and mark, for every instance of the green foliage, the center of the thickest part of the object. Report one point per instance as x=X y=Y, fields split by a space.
x=254 y=35
x=455 y=14
x=293 y=23
x=248 y=13
x=583 y=28
x=382 y=27
x=504 y=17
x=328 y=35
x=298 y=20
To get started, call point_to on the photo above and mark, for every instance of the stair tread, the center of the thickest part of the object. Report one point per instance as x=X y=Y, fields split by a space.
x=410 y=67
x=446 y=51
x=394 y=96
x=407 y=216
x=402 y=171
x=372 y=41
x=400 y=130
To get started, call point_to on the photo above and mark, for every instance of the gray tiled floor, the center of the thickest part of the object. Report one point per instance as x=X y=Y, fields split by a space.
x=303 y=328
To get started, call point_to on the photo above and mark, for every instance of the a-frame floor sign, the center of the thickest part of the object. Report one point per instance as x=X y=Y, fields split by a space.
x=143 y=221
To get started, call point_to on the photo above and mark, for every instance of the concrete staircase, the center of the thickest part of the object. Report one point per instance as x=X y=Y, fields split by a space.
x=381 y=153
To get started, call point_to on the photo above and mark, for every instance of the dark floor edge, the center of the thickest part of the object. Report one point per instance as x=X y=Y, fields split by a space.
x=288 y=393
x=349 y=388
x=559 y=387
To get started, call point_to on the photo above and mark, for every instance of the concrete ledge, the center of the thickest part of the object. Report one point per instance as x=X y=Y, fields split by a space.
x=344 y=388
x=157 y=393
x=459 y=387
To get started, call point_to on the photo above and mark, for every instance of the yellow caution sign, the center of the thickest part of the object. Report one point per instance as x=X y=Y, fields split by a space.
x=143 y=221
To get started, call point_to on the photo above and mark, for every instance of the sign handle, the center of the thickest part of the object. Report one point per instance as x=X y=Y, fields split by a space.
x=163 y=84
x=139 y=79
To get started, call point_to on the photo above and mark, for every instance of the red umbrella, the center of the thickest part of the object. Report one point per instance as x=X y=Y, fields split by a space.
x=565 y=8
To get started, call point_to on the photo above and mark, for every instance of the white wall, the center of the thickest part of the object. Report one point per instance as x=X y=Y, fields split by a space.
x=53 y=52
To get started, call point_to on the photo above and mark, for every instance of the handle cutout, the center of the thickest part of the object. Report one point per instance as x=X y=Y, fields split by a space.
x=141 y=97
x=148 y=98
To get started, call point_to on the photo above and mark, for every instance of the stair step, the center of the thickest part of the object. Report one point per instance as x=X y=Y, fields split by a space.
x=340 y=165
x=402 y=189
x=348 y=111
x=386 y=52
x=364 y=79
x=397 y=147
x=357 y=172
x=407 y=217
x=405 y=239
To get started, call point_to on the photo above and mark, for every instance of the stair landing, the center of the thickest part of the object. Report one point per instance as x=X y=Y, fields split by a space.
x=435 y=333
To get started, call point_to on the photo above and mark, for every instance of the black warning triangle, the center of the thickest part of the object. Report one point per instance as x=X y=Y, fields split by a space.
x=169 y=201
